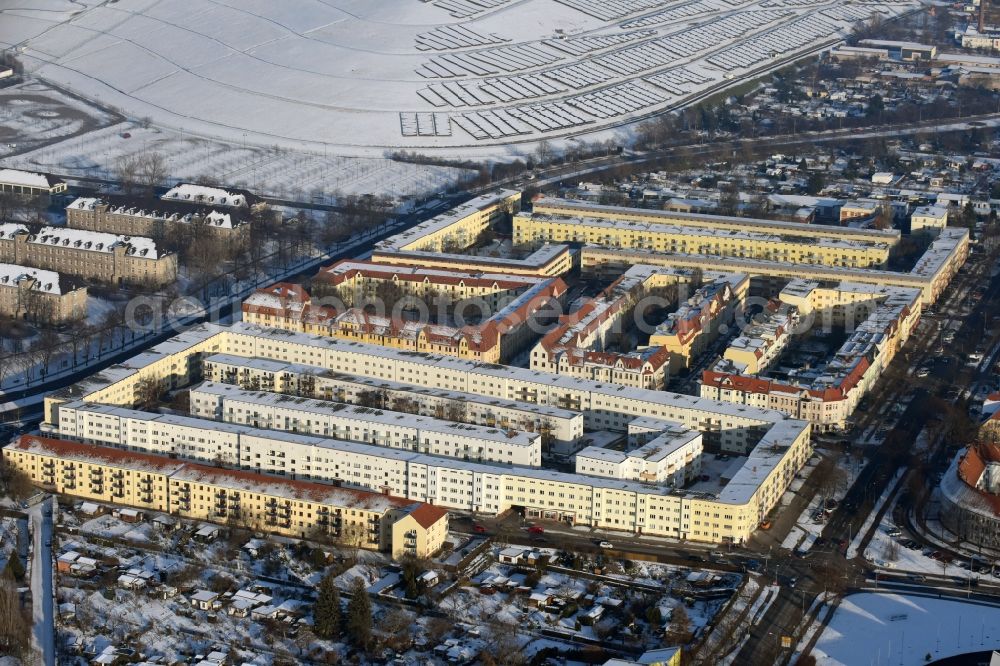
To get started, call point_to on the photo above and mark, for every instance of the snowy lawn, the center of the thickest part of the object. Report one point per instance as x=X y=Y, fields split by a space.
x=903 y=629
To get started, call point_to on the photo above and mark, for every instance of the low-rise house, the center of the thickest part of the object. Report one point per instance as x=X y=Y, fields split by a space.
x=204 y=599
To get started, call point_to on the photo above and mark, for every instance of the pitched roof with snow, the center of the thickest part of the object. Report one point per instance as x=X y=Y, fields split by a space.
x=215 y=196
x=96 y=241
x=12 y=275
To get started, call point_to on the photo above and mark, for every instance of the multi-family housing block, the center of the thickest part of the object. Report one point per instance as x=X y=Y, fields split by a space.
x=295 y=508
x=584 y=343
x=775 y=446
x=136 y=217
x=698 y=321
x=355 y=423
x=40 y=295
x=496 y=337
x=828 y=394
x=554 y=424
x=109 y=258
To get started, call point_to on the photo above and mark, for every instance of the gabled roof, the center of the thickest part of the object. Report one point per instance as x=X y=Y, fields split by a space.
x=426 y=515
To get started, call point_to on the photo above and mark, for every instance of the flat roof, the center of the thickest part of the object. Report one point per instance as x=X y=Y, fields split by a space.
x=677 y=230
x=444 y=220
x=812 y=230
x=234 y=394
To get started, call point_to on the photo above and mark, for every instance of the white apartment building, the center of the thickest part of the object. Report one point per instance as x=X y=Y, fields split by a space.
x=457 y=484
x=353 y=423
x=776 y=446
x=929 y=218
x=552 y=423
x=672 y=458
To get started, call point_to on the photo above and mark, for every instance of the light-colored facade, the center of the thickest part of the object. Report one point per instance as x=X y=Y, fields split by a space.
x=119 y=215
x=40 y=296
x=87 y=254
x=929 y=218
x=776 y=446
x=458 y=228
x=552 y=423
x=827 y=395
x=731 y=515
x=659 y=237
x=29 y=183
x=931 y=274
x=577 y=345
x=672 y=457
x=437 y=243
x=697 y=322
x=244 y=499
x=805 y=232
x=353 y=423
x=760 y=344
x=501 y=334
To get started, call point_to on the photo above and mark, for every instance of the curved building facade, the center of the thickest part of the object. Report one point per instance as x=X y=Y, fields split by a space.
x=970 y=495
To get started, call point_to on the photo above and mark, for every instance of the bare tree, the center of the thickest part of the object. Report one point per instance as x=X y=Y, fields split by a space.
x=15 y=629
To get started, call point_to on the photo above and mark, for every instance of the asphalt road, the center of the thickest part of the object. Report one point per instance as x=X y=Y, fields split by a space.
x=828 y=568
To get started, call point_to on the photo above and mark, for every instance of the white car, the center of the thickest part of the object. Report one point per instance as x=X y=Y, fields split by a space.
x=606 y=544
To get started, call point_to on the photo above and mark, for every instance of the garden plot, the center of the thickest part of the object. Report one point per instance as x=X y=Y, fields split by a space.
x=488 y=61
x=270 y=171
x=425 y=124
x=449 y=37
x=355 y=75
x=618 y=100
x=678 y=81
x=582 y=75
x=467 y=8
x=663 y=51
x=580 y=46
x=609 y=10
x=857 y=12
x=777 y=42
x=694 y=10
x=489 y=91
x=515 y=88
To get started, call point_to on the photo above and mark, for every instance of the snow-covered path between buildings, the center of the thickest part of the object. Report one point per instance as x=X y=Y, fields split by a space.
x=44 y=633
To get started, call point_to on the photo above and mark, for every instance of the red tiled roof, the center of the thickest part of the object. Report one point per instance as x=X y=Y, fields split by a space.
x=62 y=448
x=427 y=515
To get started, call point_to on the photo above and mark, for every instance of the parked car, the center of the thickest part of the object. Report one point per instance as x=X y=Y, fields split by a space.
x=536 y=529
x=606 y=544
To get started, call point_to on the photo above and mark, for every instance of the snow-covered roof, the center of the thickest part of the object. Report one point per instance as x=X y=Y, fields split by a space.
x=12 y=275
x=268 y=365
x=233 y=395
x=27 y=179
x=10 y=229
x=413 y=235
x=557 y=208
x=96 y=241
x=203 y=194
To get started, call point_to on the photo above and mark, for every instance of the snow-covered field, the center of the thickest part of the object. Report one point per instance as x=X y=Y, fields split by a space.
x=271 y=171
x=376 y=74
x=900 y=629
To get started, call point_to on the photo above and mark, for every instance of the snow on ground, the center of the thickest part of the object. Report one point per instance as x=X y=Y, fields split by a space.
x=366 y=75
x=852 y=549
x=42 y=611
x=271 y=171
x=872 y=628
